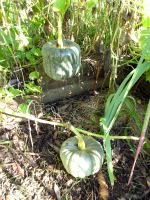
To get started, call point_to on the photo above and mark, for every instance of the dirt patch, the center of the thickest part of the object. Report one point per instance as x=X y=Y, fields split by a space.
x=30 y=164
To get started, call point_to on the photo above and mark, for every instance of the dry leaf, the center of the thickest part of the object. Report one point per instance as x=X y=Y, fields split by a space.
x=19 y=169
x=148 y=182
x=57 y=191
x=15 y=139
x=8 y=196
x=69 y=182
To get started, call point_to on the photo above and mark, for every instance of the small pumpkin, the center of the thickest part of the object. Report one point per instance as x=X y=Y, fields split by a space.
x=82 y=162
x=61 y=63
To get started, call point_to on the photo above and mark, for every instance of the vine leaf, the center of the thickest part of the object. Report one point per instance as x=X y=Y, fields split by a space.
x=61 y=6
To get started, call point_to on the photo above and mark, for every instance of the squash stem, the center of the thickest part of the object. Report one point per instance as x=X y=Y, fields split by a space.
x=65 y=125
x=59 y=40
x=81 y=143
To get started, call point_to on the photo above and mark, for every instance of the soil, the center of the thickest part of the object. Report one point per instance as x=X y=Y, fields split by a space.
x=31 y=169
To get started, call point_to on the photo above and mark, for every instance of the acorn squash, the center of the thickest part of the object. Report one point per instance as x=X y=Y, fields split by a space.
x=82 y=162
x=61 y=63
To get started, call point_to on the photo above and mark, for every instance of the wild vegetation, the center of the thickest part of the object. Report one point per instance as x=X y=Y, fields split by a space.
x=115 y=36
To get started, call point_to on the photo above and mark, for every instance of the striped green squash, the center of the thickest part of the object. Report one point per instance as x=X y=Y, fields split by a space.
x=82 y=163
x=61 y=63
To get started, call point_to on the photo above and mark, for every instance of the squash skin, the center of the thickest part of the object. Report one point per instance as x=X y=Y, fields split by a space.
x=61 y=63
x=82 y=163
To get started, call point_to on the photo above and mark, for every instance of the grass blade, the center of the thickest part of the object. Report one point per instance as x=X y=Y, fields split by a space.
x=140 y=145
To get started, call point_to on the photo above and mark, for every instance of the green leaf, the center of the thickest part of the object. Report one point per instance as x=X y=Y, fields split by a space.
x=148 y=76
x=60 y=6
x=20 y=54
x=36 y=52
x=32 y=88
x=146 y=21
x=34 y=75
x=2 y=92
x=146 y=8
x=144 y=42
x=33 y=54
x=147 y=144
x=23 y=108
x=146 y=51
x=91 y=3
x=13 y=92
x=132 y=112
x=30 y=57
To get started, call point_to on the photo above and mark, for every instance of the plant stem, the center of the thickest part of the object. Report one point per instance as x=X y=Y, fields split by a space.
x=141 y=141
x=146 y=120
x=3 y=142
x=108 y=137
x=114 y=46
x=81 y=143
x=60 y=41
x=69 y=126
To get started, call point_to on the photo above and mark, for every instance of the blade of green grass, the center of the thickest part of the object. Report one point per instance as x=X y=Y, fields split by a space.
x=140 y=145
x=5 y=142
